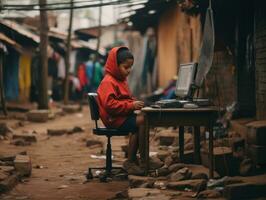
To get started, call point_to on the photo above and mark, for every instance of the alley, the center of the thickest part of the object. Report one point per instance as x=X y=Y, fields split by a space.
x=177 y=89
x=59 y=163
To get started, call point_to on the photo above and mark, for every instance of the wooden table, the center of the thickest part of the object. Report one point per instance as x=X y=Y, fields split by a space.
x=205 y=116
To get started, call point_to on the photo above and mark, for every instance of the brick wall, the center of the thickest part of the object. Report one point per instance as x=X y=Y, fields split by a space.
x=260 y=61
x=222 y=90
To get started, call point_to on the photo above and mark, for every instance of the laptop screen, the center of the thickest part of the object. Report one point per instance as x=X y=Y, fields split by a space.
x=186 y=76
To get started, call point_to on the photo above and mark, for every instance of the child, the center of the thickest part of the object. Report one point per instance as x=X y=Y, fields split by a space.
x=116 y=104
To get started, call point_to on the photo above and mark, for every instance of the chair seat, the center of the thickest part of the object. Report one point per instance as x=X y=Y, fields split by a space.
x=109 y=132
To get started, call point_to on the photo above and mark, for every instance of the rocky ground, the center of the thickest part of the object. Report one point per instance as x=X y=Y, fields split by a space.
x=45 y=155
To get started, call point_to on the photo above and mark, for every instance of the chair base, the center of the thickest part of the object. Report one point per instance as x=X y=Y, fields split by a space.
x=107 y=175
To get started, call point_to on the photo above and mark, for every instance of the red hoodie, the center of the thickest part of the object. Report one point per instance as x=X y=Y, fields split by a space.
x=114 y=98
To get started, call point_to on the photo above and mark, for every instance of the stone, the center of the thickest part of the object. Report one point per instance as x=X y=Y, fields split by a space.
x=71 y=108
x=7 y=157
x=3 y=176
x=164 y=171
x=3 y=129
x=38 y=115
x=56 y=132
x=155 y=163
x=186 y=184
x=200 y=176
x=167 y=140
x=256 y=133
x=244 y=191
x=9 y=183
x=92 y=142
x=223 y=161
x=26 y=137
x=121 y=195
x=181 y=174
x=209 y=194
x=20 y=142
x=173 y=158
x=7 y=169
x=162 y=155
x=188 y=146
x=76 y=129
x=136 y=181
x=168 y=161
x=22 y=165
x=160 y=184
x=246 y=167
x=175 y=167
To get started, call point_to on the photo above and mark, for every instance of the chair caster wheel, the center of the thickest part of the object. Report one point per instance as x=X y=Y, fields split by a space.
x=89 y=175
x=103 y=178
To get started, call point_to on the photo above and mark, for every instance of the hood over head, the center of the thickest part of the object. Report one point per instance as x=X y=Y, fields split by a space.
x=111 y=66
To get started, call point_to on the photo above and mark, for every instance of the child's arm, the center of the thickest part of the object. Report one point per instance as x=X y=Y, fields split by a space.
x=113 y=105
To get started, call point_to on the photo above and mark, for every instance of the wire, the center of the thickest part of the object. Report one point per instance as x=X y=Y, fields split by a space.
x=118 y=2
x=47 y=4
x=66 y=3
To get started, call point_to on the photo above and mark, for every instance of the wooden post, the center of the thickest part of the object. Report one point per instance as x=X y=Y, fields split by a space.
x=99 y=31
x=43 y=97
x=67 y=58
x=2 y=86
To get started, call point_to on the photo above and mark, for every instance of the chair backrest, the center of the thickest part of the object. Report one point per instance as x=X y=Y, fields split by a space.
x=92 y=99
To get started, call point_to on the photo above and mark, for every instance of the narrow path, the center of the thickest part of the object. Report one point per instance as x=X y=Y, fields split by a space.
x=59 y=163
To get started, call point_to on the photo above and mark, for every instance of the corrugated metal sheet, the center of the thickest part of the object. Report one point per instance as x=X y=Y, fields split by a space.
x=10 y=42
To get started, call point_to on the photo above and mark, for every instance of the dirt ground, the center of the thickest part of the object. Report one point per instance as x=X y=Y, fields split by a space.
x=60 y=162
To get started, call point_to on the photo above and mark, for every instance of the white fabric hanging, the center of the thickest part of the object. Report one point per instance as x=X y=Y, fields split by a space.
x=207 y=47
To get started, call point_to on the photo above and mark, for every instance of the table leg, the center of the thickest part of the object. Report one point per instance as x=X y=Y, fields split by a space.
x=181 y=143
x=147 y=146
x=196 y=144
x=211 y=168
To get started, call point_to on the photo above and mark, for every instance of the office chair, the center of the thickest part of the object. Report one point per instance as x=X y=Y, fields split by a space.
x=108 y=132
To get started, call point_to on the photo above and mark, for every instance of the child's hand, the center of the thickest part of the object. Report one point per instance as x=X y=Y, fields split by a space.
x=138 y=105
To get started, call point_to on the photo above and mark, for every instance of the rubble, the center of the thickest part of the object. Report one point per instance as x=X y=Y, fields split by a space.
x=26 y=137
x=38 y=115
x=181 y=174
x=3 y=129
x=256 y=133
x=59 y=132
x=12 y=169
x=223 y=160
x=187 y=184
x=94 y=143
x=22 y=165
x=56 y=132
x=246 y=167
x=71 y=108
x=136 y=181
x=206 y=194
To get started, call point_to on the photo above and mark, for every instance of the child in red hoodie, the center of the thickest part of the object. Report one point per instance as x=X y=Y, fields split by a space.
x=117 y=105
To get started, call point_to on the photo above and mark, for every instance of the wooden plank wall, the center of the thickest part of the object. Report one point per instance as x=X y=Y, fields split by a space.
x=178 y=42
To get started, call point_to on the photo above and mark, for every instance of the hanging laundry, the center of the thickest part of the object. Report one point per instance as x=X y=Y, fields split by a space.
x=24 y=77
x=10 y=72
